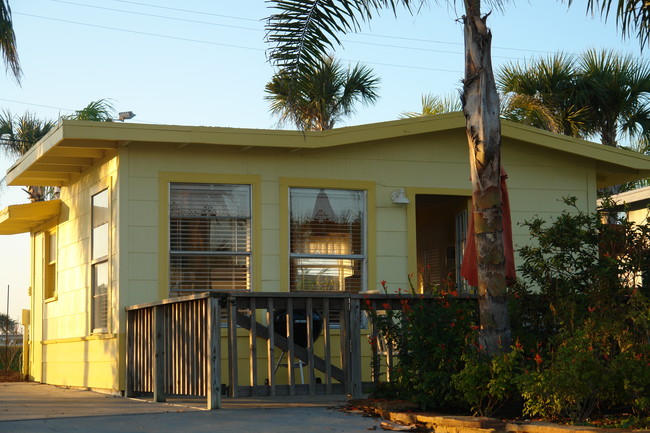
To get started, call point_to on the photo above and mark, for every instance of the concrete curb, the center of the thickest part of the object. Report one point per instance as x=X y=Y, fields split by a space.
x=404 y=413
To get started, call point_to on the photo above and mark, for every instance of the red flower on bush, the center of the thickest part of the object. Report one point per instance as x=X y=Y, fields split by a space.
x=538 y=358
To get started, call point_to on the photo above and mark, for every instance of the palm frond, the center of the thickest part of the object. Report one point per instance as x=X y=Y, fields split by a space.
x=632 y=16
x=433 y=104
x=19 y=133
x=8 y=41
x=101 y=110
x=301 y=31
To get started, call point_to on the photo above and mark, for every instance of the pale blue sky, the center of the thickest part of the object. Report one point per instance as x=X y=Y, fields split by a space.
x=200 y=62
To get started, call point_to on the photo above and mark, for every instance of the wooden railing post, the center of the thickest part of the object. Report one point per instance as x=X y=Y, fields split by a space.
x=310 y=346
x=344 y=321
x=253 y=345
x=354 y=325
x=326 y=346
x=271 y=345
x=232 y=345
x=158 y=354
x=213 y=378
x=290 y=348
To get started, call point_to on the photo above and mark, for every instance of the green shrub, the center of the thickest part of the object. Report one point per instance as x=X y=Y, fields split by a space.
x=488 y=384
x=431 y=334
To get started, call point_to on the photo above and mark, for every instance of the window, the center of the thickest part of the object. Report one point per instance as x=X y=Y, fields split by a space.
x=50 y=265
x=327 y=239
x=99 y=261
x=210 y=237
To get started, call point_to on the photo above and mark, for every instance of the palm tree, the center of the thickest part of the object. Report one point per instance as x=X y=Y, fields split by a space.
x=8 y=41
x=101 y=110
x=322 y=94
x=17 y=135
x=617 y=91
x=599 y=92
x=432 y=105
x=303 y=30
x=543 y=94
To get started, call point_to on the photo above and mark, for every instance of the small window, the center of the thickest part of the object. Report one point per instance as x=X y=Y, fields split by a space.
x=100 y=240
x=327 y=239
x=50 y=265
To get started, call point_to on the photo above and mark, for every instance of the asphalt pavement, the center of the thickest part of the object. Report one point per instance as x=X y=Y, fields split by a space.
x=34 y=408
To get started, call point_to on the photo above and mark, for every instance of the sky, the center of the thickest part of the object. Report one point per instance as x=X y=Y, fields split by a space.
x=202 y=62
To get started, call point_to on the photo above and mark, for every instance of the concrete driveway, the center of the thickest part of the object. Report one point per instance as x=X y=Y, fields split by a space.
x=32 y=407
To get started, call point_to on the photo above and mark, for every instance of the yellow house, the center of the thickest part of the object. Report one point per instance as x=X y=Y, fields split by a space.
x=148 y=212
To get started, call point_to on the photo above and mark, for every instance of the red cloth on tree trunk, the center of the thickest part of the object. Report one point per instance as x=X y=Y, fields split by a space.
x=469 y=269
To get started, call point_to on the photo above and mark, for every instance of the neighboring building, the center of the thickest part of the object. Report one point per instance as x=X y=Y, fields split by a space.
x=148 y=212
x=634 y=204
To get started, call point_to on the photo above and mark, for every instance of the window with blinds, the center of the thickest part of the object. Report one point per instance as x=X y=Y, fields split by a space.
x=327 y=239
x=209 y=237
x=99 y=256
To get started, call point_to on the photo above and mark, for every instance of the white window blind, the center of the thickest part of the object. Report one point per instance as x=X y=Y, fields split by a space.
x=210 y=237
x=327 y=239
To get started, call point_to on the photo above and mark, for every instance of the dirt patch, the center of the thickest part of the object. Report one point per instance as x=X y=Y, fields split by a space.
x=10 y=376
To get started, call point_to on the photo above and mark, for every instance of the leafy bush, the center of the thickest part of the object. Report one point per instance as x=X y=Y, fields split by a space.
x=430 y=334
x=580 y=317
x=488 y=384
x=590 y=313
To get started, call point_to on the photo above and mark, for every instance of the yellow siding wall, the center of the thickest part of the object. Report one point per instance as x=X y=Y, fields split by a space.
x=537 y=180
x=639 y=216
x=70 y=354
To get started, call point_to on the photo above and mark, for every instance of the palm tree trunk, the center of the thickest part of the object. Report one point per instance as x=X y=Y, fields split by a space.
x=481 y=108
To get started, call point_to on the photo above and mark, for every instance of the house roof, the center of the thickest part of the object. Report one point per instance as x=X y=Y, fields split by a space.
x=21 y=218
x=634 y=199
x=72 y=146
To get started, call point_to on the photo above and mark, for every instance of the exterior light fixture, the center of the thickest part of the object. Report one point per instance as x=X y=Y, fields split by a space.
x=399 y=196
x=125 y=115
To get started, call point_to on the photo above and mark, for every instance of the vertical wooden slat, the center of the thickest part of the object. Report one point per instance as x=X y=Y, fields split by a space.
x=271 y=345
x=327 y=348
x=344 y=320
x=168 y=346
x=158 y=355
x=310 y=346
x=253 y=343
x=374 y=348
x=290 y=348
x=213 y=322
x=174 y=354
x=232 y=345
x=185 y=361
x=202 y=354
x=355 y=347
x=130 y=361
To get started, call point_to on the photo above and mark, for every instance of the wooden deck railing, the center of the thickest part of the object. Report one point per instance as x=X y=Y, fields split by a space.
x=174 y=346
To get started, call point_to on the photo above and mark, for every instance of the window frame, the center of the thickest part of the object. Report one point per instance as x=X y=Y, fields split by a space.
x=369 y=236
x=233 y=252
x=96 y=262
x=50 y=292
x=164 y=181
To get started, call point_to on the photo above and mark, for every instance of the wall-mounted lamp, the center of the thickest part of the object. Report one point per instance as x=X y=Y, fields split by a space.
x=399 y=197
x=125 y=115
